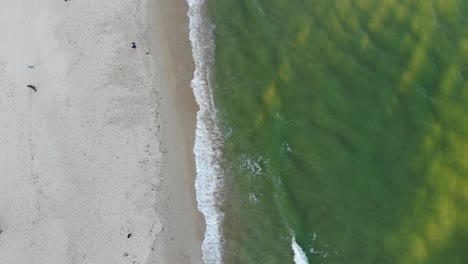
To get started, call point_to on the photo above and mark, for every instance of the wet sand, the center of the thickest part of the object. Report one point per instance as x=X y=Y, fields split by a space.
x=168 y=39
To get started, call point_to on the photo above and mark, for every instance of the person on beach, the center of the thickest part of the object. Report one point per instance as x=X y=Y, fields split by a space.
x=32 y=87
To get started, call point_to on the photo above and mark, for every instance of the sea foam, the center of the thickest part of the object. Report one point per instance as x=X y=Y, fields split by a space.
x=208 y=138
x=299 y=255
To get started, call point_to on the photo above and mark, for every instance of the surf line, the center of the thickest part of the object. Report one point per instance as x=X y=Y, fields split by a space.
x=299 y=255
x=208 y=138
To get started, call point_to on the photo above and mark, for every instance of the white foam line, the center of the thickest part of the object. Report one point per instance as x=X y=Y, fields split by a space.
x=208 y=140
x=299 y=255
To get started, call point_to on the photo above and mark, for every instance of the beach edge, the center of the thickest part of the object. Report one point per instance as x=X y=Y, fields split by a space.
x=168 y=39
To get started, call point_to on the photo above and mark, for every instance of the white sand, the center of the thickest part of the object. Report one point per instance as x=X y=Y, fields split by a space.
x=81 y=165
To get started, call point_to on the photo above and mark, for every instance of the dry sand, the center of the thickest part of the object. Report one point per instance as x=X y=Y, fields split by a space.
x=96 y=166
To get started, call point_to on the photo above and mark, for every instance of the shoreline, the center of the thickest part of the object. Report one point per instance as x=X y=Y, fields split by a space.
x=168 y=39
x=209 y=138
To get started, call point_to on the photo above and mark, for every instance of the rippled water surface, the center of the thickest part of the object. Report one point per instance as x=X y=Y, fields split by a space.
x=346 y=126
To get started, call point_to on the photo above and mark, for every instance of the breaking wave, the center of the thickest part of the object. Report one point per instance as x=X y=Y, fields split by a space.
x=208 y=139
x=299 y=255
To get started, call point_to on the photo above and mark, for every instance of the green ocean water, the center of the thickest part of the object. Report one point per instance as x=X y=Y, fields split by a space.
x=346 y=126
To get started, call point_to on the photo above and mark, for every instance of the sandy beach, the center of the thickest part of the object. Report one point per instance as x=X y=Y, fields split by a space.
x=167 y=36
x=96 y=161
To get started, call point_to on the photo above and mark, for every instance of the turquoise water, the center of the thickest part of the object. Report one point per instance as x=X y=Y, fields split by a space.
x=346 y=128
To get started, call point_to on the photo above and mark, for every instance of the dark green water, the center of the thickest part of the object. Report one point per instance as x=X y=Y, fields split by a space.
x=347 y=126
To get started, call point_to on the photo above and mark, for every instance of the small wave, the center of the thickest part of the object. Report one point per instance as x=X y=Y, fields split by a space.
x=299 y=255
x=208 y=139
x=253 y=164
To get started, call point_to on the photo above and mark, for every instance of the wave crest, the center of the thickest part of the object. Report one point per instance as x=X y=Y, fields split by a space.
x=299 y=255
x=208 y=138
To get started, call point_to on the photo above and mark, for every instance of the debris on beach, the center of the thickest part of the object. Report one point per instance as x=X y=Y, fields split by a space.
x=129 y=235
x=134 y=45
x=31 y=66
x=32 y=87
